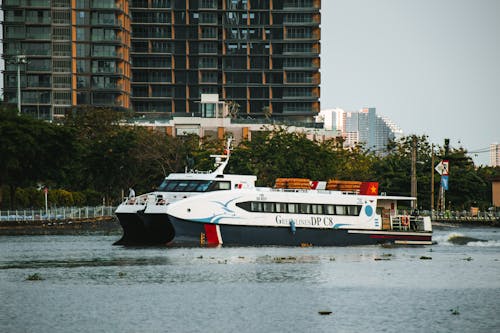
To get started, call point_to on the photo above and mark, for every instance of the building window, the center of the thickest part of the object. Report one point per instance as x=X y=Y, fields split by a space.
x=208 y=18
x=205 y=62
x=208 y=77
x=299 y=32
x=208 y=32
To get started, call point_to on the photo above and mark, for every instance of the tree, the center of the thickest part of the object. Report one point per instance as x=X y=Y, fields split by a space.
x=32 y=151
x=233 y=108
x=280 y=153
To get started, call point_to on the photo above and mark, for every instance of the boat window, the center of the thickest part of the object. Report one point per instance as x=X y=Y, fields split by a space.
x=353 y=210
x=305 y=208
x=167 y=186
x=292 y=208
x=300 y=208
x=191 y=186
x=317 y=209
x=245 y=205
x=329 y=209
x=203 y=186
x=268 y=207
x=184 y=185
x=181 y=187
x=340 y=210
x=221 y=185
x=280 y=207
x=256 y=206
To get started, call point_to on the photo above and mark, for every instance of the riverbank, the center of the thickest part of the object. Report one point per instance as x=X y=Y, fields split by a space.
x=63 y=226
x=468 y=221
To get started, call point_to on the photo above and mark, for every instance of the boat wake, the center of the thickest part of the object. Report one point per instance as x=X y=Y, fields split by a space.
x=460 y=239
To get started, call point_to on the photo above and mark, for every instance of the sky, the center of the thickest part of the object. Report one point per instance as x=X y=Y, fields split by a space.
x=431 y=66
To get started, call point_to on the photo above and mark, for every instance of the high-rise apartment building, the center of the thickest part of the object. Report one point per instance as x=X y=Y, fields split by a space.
x=495 y=154
x=159 y=56
x=261 y=54
x=74 y=52
x=364 y=126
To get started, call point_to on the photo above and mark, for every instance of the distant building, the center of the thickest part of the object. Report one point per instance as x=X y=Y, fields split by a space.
x=215 y=120
x=495 y=192
x=363 y=126
x=495 y=154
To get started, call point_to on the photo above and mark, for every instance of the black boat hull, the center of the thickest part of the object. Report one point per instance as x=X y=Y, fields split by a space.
x=161 y=229
x=142 y=229
x=215 y=234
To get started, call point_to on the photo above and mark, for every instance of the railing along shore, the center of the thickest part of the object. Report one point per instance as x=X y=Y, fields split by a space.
x=61 y=213
x=483 y=218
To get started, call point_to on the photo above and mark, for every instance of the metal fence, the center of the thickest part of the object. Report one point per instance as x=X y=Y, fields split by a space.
x=61 y=213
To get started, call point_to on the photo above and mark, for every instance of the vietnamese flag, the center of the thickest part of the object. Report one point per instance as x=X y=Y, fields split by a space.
x=368 y=188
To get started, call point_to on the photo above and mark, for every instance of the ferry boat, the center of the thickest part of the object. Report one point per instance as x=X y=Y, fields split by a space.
x=296 y=217
x=134 y=213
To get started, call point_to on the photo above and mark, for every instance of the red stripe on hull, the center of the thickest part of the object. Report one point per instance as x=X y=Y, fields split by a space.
x=402 y=237
x=211 y=234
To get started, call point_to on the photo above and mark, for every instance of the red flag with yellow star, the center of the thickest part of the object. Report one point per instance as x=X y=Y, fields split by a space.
x=368 y=188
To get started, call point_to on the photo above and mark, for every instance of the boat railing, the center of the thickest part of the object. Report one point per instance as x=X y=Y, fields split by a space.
x=301 y=190
x=138 y=200
x=407 y=223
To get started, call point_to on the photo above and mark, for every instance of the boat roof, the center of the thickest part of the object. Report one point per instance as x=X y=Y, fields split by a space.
x=207 y=176
x=395 y=197
x=340 y=193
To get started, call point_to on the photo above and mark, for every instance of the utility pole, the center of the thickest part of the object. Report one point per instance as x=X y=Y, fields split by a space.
x=432 y=180
x=414 y=172
x=19 y=60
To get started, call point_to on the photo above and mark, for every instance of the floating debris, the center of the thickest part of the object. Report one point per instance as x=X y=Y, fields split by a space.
x=325 y=313
x=121 y=274
x=378 y=259
x=425 y=258
x=34 y=277
x=284 y=259
x=455 y=311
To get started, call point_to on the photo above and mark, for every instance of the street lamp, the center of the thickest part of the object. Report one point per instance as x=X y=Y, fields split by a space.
x=19 y=60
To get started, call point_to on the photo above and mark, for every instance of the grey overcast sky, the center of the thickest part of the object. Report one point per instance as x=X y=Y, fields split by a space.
x=431 y=66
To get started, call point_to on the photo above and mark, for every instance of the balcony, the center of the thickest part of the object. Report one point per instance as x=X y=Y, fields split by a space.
x=117 y=23
x=107 y=86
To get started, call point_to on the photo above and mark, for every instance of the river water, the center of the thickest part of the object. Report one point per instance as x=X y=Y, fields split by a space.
x=88 y=285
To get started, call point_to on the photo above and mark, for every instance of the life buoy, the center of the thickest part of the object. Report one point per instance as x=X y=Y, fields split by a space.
x=405 y=221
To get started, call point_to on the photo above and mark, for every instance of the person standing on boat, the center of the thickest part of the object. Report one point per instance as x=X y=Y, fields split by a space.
x=131 y=193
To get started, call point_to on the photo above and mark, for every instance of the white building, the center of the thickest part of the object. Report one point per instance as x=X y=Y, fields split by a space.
x=495 y=154
x=363 y=126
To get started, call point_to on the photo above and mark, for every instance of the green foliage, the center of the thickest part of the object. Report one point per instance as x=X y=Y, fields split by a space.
x=32 y=150
x=280 y=153
x=92 y=157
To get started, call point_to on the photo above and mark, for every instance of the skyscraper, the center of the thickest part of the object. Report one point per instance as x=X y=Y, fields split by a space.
x=364 y=126
x=76 y=52
x=495 y=154
x=159 y=56
x=261 y=54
